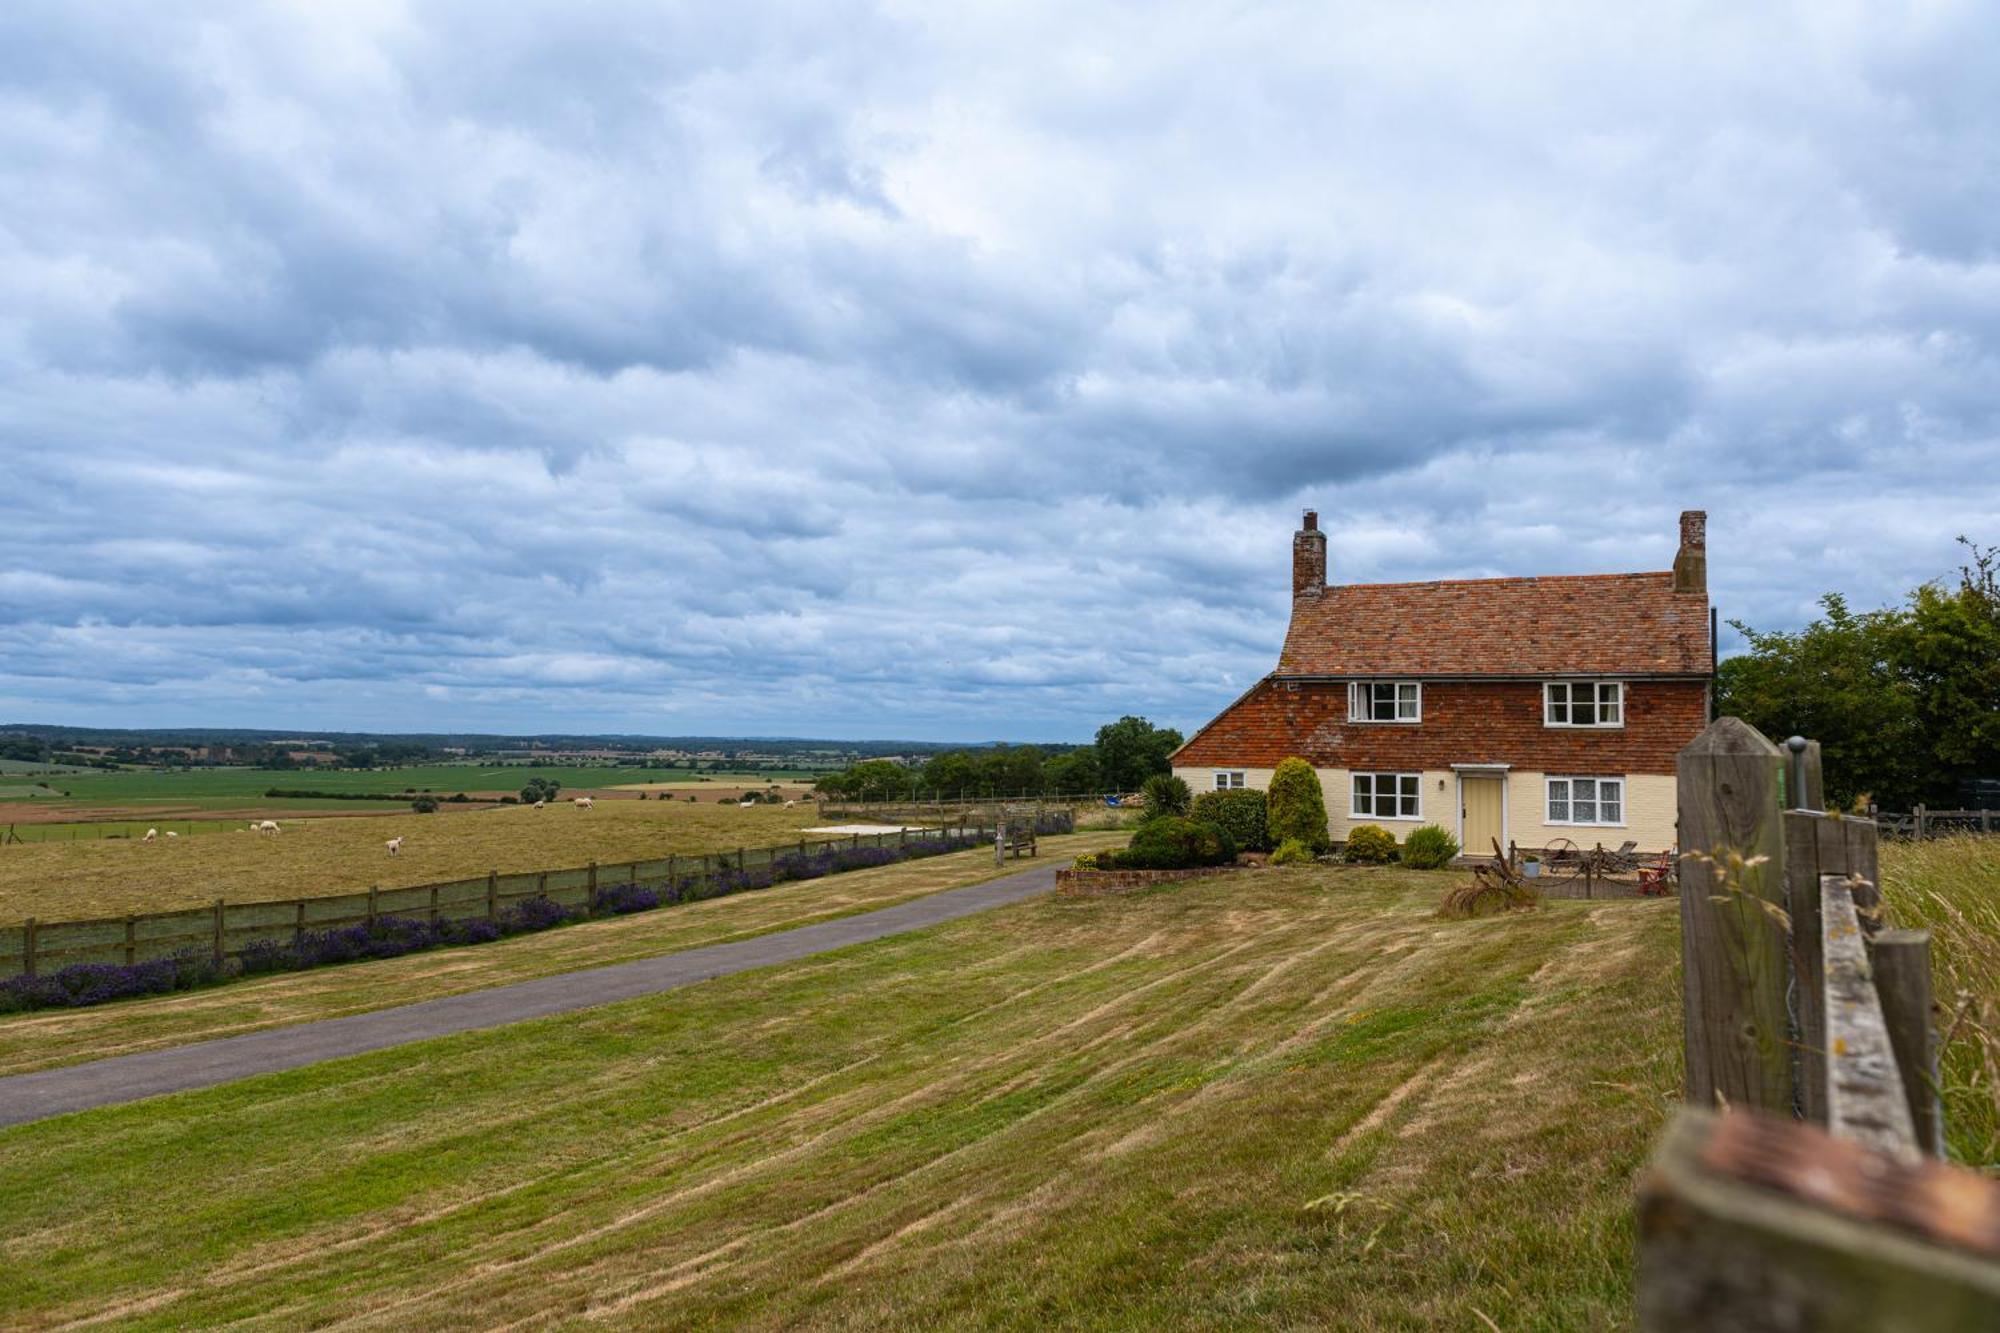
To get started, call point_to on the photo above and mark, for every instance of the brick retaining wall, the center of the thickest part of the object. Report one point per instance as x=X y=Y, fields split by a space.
x=1091 y=883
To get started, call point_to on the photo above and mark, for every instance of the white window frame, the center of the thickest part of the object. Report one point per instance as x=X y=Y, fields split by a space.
x=1229 y=779
x=1414 y=792
x=1598 y=702
x=1569 y=781
x=1361 y=696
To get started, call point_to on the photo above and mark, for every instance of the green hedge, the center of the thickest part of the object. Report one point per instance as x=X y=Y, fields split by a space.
x=1241 y=813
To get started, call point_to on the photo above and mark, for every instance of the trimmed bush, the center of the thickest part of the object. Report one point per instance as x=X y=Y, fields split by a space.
x=1292 y=852
x=1242 y=813
x=1174 y=843
x=1429 y=848
x=1370 y=844
x=1166 y=795
x=1297 y=806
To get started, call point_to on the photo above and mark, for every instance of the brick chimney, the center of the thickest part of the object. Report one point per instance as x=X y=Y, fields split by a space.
x=1691 y=561
x=1308 y=559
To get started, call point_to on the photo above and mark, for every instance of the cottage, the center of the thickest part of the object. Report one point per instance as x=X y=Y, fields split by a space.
x=1523 y=709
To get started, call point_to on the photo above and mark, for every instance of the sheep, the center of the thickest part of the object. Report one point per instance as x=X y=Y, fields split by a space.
x=151 y=834
x=582 y=802
x=172 y=834
x=395 y=845
x=540 y=804
x=266 y=826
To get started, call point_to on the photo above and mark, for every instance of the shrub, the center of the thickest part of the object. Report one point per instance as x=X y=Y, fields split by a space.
x=1429 y=848
x=425 y=805
x=1291 y=852
x=1370 y=844
x=1166 y=795
x=1242 y=813
x=621 y=899
x=1297 y=806
x=1174 y=843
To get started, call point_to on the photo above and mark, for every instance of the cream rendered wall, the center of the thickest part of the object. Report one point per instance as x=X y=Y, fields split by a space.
x=1649 y=807
x=1649 y=814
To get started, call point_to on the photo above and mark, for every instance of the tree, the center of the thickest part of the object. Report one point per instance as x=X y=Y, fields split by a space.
x=871 y=780
x=1073 y=772
x=540 y=789
x=1297 y=806
x=1132 y=749
x=949 y=773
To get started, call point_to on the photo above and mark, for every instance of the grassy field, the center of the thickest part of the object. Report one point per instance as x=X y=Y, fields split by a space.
x=59 y=1037
x=65 y=881
x=1952 y=885
x=1294 y=1098
x=197 y=784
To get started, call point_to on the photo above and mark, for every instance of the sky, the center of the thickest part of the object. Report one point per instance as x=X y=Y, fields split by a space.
x=947 y=371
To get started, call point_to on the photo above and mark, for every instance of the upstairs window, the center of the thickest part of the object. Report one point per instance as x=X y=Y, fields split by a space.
x=1583 y=703
x=1229 y=780
x=1385 y=701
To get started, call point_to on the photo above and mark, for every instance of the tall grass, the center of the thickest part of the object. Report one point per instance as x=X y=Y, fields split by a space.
x=1952 y=885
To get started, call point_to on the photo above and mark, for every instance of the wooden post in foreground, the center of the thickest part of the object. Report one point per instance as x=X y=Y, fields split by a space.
x=1865 y=1100
x=1733 y=960
x=1817 y=844
x=1749 y=1223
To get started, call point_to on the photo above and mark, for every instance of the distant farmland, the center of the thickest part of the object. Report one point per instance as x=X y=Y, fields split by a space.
x=210 y=786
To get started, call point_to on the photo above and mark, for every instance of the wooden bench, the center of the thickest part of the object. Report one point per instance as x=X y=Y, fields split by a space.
x=1013 y=839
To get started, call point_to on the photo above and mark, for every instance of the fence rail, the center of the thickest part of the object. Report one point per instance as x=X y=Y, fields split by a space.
x=1815 y=1200
x=224 y=929
x=1924 y=823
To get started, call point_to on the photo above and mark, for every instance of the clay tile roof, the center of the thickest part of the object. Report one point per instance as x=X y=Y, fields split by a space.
x=1584 y=624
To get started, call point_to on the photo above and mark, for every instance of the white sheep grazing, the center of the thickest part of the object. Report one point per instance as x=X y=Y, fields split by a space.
x=540 y=804
x=395 y=845
x=790 y=804
x=172 y=834
x=151 y=834
x=267 y=826
x=582 y=802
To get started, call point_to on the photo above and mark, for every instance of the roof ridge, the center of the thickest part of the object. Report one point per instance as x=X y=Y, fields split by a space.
x=1510 y=578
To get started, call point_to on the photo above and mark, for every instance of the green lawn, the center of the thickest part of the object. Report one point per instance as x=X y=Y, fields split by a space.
x=1292 y=1097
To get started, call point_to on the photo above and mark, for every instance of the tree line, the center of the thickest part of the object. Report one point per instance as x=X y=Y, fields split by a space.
x=1124 y=754
x=1904 y=701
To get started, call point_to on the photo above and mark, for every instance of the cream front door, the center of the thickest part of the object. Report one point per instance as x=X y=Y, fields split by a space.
x=1480 y=806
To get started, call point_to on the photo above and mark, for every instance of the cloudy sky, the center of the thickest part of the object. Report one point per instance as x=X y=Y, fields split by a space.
x=946 y=371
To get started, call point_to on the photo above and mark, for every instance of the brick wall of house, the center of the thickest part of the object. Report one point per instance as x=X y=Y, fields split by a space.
x=1471 y=722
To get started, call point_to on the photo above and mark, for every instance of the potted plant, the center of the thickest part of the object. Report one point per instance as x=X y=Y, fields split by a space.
x=1531 y=866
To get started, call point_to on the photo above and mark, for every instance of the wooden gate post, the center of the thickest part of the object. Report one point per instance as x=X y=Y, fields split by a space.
x=1902 y=963
x=1733 y=958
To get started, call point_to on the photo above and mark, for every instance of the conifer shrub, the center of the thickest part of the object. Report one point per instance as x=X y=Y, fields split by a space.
x=1292 y=852
x=1296 y=807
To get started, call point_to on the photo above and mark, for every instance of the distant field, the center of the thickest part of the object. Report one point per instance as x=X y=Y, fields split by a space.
x=233 y=785
x=79 y=880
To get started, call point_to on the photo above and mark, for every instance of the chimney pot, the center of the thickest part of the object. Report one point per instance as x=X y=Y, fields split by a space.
x=1312 y=520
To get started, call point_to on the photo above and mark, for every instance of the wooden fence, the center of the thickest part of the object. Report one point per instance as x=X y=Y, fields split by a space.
x=1815 y=1200
x=224 y=929
x=1924 y=823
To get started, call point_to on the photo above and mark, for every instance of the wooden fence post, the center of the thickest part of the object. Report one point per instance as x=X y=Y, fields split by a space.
x=1902 y=963
x=28 y=946
x=298 y=918
x=1733 y=962
x=493 y=895
x=373 y=891
x=218 y=930
x=1920 y=821
x=434 y=904
x=1865 y=1098
x=131 y=940
x=591 y=888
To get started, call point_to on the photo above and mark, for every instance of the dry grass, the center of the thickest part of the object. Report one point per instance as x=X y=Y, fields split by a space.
x=1292 y=1099
x=313 y=857
x=1952 y=885
x=68 y=1036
